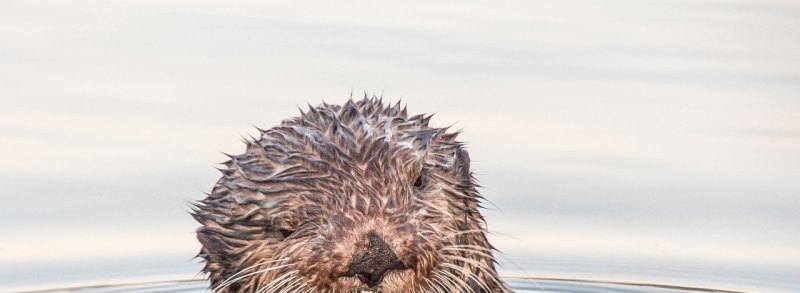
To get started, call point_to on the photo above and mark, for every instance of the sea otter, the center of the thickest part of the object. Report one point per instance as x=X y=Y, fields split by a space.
x=359 y=197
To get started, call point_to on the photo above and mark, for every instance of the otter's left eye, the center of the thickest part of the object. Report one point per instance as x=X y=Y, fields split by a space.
x=286 y=232
x=420 y=182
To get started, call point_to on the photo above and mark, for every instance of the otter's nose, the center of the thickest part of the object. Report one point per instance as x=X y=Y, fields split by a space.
x=373 y=260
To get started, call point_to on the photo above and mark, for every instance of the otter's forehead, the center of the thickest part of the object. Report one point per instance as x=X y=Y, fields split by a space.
x=362 y=135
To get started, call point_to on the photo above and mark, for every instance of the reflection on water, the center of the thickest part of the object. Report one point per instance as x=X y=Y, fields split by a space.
x=520 y=285
x=593 y=286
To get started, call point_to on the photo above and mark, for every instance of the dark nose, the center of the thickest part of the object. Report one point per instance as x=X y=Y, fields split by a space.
x=372 y=260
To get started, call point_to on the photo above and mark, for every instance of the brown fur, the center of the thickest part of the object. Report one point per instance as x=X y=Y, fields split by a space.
x=289 y=213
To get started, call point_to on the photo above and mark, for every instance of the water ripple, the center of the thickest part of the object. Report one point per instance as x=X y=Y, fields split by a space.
x=518 y=284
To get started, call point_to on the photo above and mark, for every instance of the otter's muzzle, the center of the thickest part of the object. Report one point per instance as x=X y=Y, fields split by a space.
x=373 y=260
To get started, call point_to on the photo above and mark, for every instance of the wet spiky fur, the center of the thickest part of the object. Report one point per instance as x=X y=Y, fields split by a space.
x=288 y=213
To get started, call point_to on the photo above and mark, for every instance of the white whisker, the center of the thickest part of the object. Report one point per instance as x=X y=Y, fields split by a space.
x=233 y=278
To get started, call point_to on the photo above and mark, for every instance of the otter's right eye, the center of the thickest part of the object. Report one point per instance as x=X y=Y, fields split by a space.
x=419 y=183
x=286 y=232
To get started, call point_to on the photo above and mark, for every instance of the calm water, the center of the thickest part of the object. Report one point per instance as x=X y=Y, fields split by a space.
x=630 y=141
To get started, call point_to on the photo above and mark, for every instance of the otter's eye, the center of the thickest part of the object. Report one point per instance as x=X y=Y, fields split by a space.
x=420 y=182
x=286 y=232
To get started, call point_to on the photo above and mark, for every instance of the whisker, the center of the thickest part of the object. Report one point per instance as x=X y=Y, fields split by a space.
x=292 y=284
x=455 y=278
x=449 y=284
x=462 y=232
x=233 y=278
x=465 y=260
x=483 y=268
x=274 y=283
x=435 y=279
x=255 y=273
x=476 y=247
x=470 y=275
x=481 y=253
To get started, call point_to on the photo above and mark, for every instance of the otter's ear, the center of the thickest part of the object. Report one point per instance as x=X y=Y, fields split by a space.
x=462 y=166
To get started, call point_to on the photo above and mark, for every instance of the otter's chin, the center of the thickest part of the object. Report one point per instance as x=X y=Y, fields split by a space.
x=393 y=282
x=397 y=281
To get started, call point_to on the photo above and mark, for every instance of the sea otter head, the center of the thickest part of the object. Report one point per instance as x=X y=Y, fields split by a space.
x=352 y=198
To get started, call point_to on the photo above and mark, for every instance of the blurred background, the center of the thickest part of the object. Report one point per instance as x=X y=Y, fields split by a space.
x=626 y=140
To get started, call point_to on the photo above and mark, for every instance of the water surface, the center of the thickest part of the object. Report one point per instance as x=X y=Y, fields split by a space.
x=641 y=141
